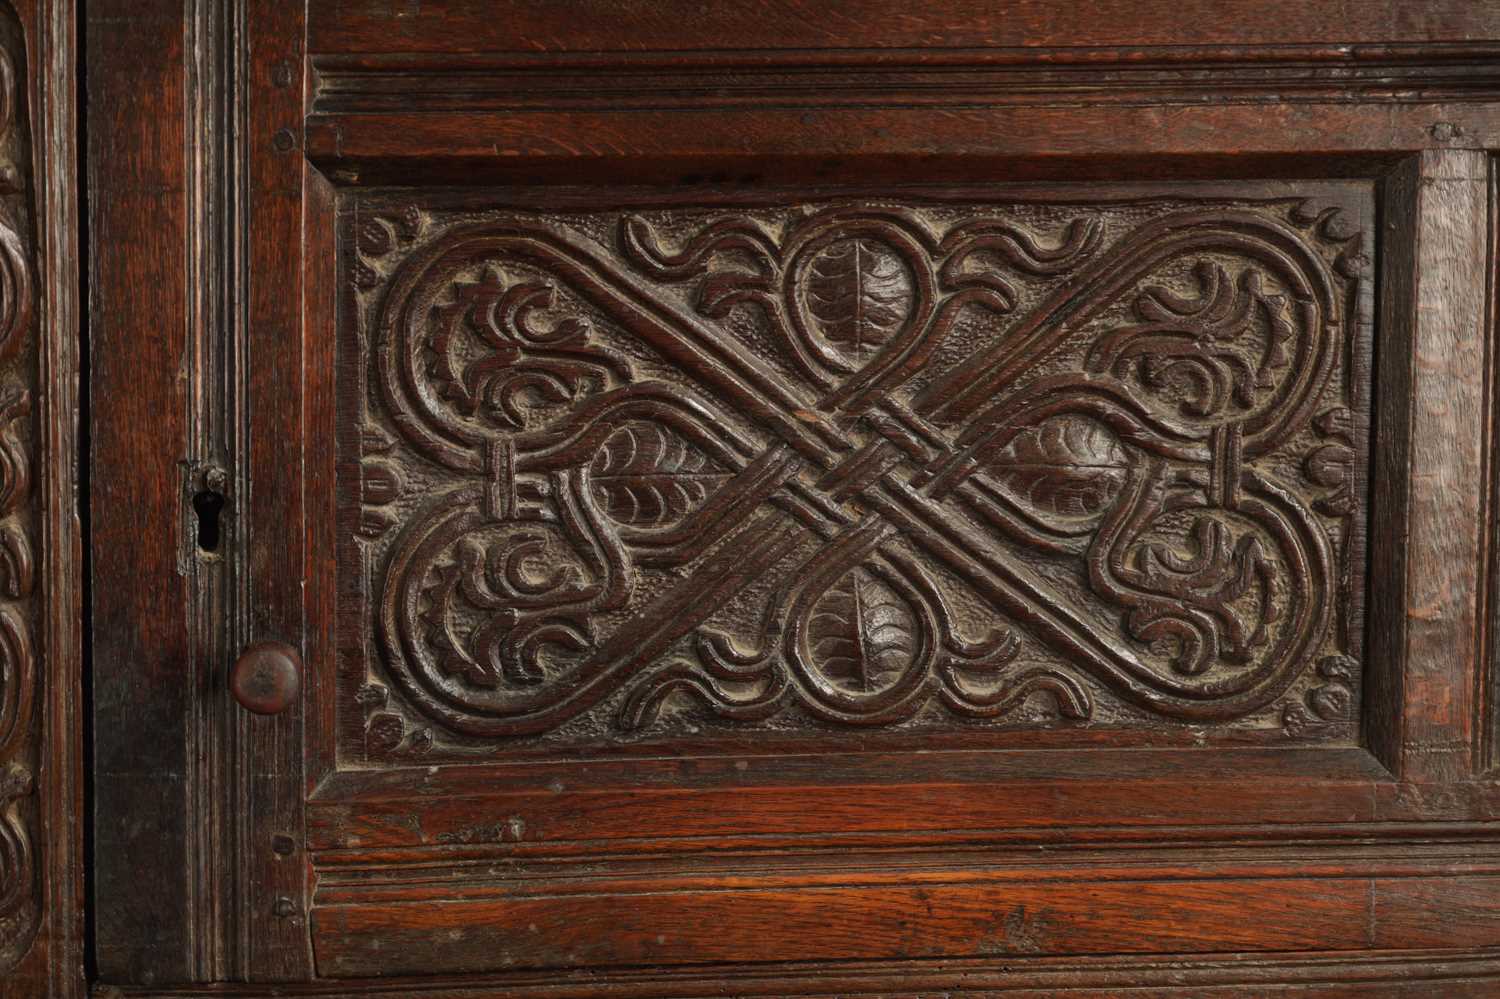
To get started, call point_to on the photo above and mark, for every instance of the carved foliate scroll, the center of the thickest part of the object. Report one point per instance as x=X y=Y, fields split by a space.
x=910 y=464
x=20 y=733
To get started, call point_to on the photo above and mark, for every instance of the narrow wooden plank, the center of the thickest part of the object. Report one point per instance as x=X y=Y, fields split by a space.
x=1453 y=912
x=903 y=810
x=881 y=142
x=1489 y=721
x=1447 y=531
x=468 y=877
x=1430 y=468
x=675 y=25
x=1189 y=916
x=1051 y=916
x=55 y=165
x=269 y=456
x=1452 y=974
x=1389 y=492
x=142 y=668
x=321 y=479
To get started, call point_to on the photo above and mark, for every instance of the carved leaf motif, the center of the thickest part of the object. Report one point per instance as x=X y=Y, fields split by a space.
x=1066 y=466
x=862 y=466
x=381 y=484
x=862 y=633
x=860 y=293
x=645 y=475
x=1332 y=465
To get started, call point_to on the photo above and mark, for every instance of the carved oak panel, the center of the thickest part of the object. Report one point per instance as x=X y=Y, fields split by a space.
x=21 y=678
x=852 y=468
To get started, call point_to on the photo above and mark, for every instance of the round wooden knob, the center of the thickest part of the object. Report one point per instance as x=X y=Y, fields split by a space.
x=266 y=677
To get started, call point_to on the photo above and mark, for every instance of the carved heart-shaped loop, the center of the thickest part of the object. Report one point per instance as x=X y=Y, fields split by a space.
x=858 y=291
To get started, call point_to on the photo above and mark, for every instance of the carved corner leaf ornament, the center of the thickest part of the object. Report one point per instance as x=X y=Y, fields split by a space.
x=853 y=464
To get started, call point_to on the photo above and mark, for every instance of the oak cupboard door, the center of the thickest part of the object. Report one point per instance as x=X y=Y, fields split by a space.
x=826 y=500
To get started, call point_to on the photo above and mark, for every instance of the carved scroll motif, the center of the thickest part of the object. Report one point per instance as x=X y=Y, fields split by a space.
x=19 y=670
x=856 y=463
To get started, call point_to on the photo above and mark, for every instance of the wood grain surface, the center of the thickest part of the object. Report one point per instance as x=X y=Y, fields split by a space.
x=639 y=417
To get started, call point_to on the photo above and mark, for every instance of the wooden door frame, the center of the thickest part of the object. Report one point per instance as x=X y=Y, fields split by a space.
x=258 y=116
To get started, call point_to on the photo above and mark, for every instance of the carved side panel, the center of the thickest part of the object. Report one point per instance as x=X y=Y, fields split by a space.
x=851 y=469
x=20 y=729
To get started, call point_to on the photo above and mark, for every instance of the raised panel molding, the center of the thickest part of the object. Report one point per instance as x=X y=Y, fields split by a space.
x=921 y=499
x=925 y=464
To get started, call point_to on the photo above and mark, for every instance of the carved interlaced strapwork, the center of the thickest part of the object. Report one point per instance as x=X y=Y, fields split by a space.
x=857 y=463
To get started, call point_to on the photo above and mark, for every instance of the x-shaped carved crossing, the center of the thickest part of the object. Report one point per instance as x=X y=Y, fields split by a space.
x=1211 y=582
